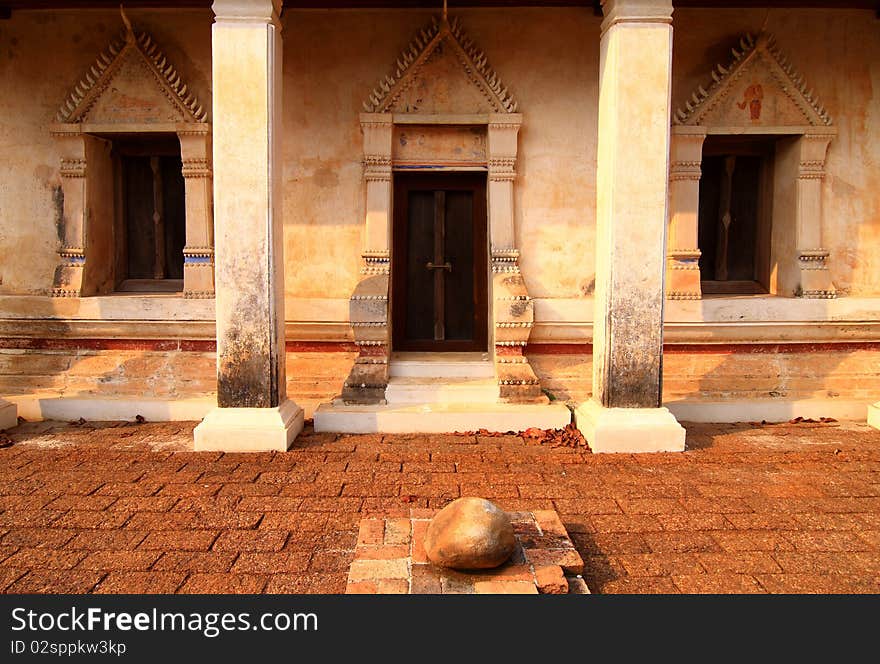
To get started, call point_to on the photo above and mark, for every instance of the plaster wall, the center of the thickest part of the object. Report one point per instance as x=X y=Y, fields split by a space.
x=332 y=60
x=548 y=57
x=42 y=55
x=837 y=52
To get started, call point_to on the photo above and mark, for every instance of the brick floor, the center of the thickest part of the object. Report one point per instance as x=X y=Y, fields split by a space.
x=117 y=507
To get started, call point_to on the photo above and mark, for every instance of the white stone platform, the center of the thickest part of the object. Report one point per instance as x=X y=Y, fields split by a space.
x=439 y=417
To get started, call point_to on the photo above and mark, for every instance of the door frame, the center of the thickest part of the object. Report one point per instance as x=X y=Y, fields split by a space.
x=402 y=184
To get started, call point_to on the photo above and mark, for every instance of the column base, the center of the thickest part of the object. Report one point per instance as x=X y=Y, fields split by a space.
x=874 y=415
x=629 y=429
x=249 y=429
x=8 y=415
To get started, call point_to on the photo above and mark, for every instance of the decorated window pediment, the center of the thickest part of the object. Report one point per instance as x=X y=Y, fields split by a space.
x=131 y=82
x=441 y=71
x=758 y=88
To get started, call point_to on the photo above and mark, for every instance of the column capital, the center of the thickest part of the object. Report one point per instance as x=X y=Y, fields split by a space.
x=636 y=11
x=247 y=11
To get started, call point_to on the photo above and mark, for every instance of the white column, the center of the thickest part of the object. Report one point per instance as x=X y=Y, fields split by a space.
x=254 y=412
x=625 y=413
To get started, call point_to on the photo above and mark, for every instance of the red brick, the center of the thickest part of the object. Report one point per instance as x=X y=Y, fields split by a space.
x=362 y=588
x=140 y=583
x=384 y=552
x=251 y=540
x=636 y=586
x=420 y=529
x=817 y=584
x=505 y=588
x=29 y=518
x=549 y=523
x=826 y=541
x=371 y=532
x=180 y=540
x=569 y=560
x=119 y=560
x=38 y=537
x=271 y=563
x=56 y=581
x=425 y=580
x=752 y=540
x=145 y=504
x=397 y=531
x=247 y=584
x=64 y=503
x=717 y=583
x=738 y=563
x=91 y=519
x=195 y=561
x=661 y=564
x=393 y=586
x=116 y=540
x=330 y=561
x=681 y=542
x=29 y=558
x=366 y=570
x=550 y=580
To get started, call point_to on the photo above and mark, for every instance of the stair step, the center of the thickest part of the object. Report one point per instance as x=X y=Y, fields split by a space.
x=439 y=418
x=409 y=390
x=441 y=365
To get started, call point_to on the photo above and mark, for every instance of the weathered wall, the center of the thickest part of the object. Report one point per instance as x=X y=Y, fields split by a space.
x=42 y=55
x=726 y=373
x=332 y=60
x=761 y=373
x=836 y=51
x=549 y=59
x=100 y=370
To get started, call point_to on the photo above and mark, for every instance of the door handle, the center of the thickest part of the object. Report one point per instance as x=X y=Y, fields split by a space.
x=444 y=266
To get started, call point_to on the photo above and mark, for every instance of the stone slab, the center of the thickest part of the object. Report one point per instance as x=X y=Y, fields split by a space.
x=769 y=410
x=249 y=429
x=629 y=430
x=34 y=407
x=439 y=418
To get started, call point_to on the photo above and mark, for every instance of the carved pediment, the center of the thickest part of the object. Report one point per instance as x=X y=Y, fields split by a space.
x=441 y=71
x=131 y=82
x=758 y=88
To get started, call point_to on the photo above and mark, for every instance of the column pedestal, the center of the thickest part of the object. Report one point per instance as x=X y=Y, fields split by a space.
x=254 y=413
x=8 y=415
x=250 y=429
x=874 y=415
x=629 y=430
x=632 y=187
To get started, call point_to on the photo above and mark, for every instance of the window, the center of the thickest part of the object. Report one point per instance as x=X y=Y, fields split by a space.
x=735 y=209
x=151 y=214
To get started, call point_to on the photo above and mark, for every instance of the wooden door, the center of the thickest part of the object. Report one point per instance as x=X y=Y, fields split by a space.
x=439 y=262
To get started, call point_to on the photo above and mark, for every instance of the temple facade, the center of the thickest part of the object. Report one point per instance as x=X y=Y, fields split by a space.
x=403 y=217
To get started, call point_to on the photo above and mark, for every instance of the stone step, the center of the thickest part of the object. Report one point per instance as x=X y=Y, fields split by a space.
x=439 y=418
x=441 y=365
x=441 y=390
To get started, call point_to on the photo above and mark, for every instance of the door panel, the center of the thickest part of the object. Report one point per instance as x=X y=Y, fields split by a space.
x=439 y=262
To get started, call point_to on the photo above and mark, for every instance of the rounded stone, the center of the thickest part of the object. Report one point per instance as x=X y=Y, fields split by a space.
x=470 y=533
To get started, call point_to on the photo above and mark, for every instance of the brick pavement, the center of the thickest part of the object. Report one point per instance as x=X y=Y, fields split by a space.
x=129 y=508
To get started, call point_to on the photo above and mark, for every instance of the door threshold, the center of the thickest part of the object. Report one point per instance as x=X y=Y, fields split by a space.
x=440 y=356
